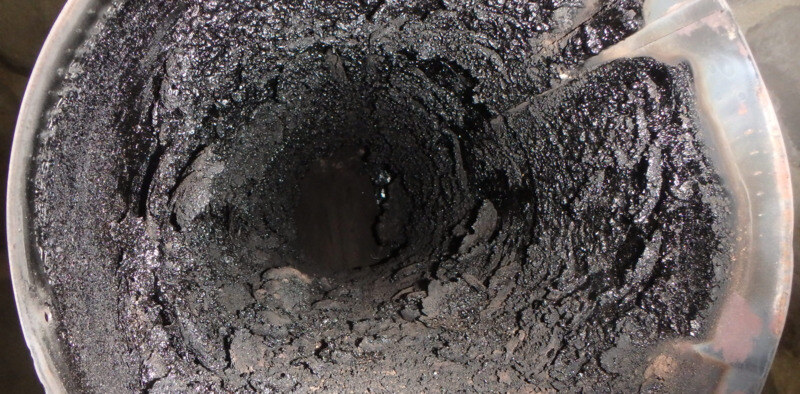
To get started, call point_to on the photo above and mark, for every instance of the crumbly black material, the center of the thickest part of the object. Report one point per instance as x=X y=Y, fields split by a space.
x=394 y=196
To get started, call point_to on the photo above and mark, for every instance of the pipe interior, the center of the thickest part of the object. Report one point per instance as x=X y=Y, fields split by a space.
x=394 y=196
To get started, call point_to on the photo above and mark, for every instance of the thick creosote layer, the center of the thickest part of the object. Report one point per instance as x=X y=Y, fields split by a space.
x=395 y=196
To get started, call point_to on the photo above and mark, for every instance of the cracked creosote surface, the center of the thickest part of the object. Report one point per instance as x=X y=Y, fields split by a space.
x=395 y=196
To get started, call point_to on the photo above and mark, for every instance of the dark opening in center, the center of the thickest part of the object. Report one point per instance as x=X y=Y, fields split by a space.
x=335 y=214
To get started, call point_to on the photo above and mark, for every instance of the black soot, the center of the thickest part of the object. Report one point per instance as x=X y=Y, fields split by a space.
x=390 y=196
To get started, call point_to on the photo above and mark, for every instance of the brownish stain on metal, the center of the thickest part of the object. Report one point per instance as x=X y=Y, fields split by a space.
x=738 y=327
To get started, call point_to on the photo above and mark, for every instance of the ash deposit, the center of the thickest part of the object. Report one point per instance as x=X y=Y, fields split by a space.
x=256 y=196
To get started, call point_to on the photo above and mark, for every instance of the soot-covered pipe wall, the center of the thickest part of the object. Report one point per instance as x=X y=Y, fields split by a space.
x=395 y=196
